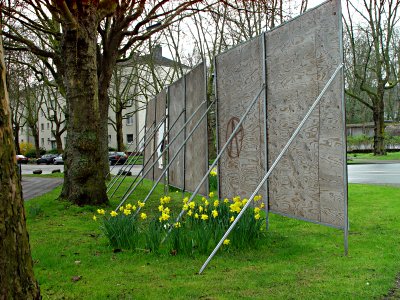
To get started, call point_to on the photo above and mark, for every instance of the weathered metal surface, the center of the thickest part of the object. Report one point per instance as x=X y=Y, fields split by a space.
x=301 y=56
x=148 y=152
x=176 y=104
x=196 y=154
x=239 y=80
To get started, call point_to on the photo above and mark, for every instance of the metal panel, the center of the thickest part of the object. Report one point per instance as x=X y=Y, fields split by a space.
x=149 y=139
x=240 y=78
x=161 y=105
x=301 y=57
x=196 y=150
x=176 y=105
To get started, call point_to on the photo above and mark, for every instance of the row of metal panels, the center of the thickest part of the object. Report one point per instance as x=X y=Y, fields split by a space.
x=294 y=61
x=186 y=102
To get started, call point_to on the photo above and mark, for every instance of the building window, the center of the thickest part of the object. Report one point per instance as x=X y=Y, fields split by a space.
x=42 y=113
x=129 y=103
x=42 y=127
x=129 y=138
x=42 y=141
x=48 y=125
x=109 y=138
x=129 y=120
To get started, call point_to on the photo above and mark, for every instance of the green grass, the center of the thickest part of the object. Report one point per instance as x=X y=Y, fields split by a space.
x=296 y=260
x=370 y=156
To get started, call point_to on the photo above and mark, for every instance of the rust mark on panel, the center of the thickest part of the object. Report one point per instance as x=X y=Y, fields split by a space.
x=235 y=146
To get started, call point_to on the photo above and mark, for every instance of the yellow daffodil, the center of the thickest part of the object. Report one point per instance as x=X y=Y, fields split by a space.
x=204 y=217
x=113 y=214
x=166 y=210
x=236 y=199
x=244 y=201
x=226 y=200
x=190 y=212
x=196 y=215
x=134 y=207
x=262 y=205
x=257 y=216
x=127 y=212
x=185 y=207
x=226 y=242
x=129 y=206
x=160 y=208
x=256 y=210
x=192 y=205
x=177 y=225
x=185 y=200
x=213 y=172
x=206 y=203
x=232 y=219
x=257 y=198
x=203 y=199
x=214 y=213
x=216 y=203
x=140 y=204
x=211 y=194
x=121 y=208
x=94 y=218
x=201 y=208
x=101 y=211
x=143 y=216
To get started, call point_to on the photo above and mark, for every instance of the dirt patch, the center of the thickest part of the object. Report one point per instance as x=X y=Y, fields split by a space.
x=394 y=293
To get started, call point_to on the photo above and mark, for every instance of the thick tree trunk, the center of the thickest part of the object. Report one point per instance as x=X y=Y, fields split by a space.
x=118 y=126
x=16 y=138
x=84 y=179
x=379 y=129
x=35 y=134
x=17 y=280
x=57 y=136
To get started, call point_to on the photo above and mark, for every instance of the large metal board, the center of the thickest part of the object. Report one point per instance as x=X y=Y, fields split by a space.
x=239 y=80
x=161 y=105
x=176 y=120
x=196 y=150
x=148 y=152
x=309 y=182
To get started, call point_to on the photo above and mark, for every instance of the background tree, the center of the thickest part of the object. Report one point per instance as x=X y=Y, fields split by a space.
x=370 y=59
x=17 y=280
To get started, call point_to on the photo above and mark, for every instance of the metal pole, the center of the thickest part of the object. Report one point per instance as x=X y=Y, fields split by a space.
x=264 y=65
x=111 y=184
x=127 y=150
x=218 y=156
x=294 y=135
x=175 y=156
x=144 y=166
x=165 y=149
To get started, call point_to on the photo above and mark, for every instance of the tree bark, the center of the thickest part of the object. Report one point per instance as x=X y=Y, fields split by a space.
x=118 y=127
x=83 y=180
x=17 y=280
x=379 y=128
x=16 y=138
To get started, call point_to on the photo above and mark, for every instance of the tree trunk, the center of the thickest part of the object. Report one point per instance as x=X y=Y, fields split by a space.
x=83 y=179
x=16 y=138
x=118 y=126
x=379 y=128
x=17 y=280
x=35 y=134
x=57 y=136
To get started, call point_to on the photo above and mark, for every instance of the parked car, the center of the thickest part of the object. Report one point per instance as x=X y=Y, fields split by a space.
x=117 y=158
x=46 y=159
x=58 y=160
x=22 y=159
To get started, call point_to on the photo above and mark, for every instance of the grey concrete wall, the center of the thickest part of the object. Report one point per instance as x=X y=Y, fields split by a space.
x=309 y=181
x=176 y=104
x=239 y=80
x=196 y=153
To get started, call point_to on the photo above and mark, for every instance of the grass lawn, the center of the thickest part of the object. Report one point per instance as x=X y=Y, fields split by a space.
x=353 y=157
x=295 y=260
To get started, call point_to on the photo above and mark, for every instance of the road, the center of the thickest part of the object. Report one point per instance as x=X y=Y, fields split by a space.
x=374 y=173
x=48 y=169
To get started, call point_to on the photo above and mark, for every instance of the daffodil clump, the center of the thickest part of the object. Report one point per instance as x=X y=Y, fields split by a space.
x=121 y=227
x=203 y=224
